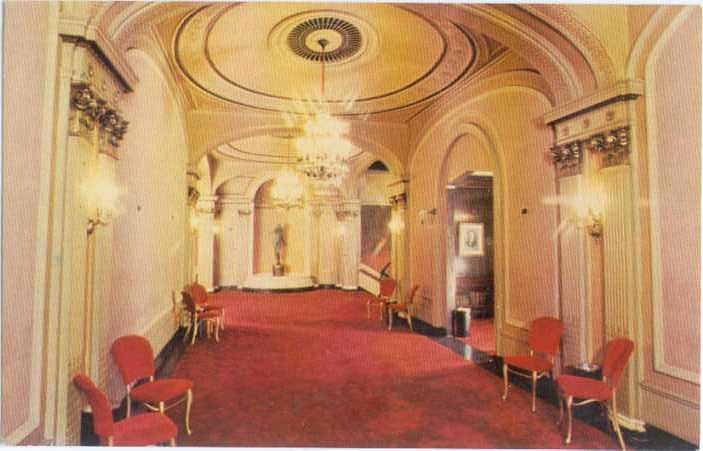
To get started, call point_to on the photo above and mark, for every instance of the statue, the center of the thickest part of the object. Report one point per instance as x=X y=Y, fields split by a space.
x=278 y=243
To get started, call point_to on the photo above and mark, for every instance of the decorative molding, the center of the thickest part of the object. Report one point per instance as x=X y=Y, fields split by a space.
x=398 y=200
x=632 y=424
x=614 y=146
x=621 y=91
x=90 y=112
x=568 y=159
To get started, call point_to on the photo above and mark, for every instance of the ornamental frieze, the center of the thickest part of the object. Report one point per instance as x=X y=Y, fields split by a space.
x=613 y=148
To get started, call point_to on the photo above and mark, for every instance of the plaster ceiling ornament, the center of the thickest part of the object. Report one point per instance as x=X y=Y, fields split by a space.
x=266 y=57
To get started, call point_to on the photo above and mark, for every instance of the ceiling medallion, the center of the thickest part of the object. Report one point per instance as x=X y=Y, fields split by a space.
x=343 y=37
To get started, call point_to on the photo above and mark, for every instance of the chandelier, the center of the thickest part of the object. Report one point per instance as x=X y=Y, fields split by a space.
x=287 y=190
x=323 y=150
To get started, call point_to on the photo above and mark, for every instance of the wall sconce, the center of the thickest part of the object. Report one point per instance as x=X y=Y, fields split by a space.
x=341 y=229
x=396 y=223
x=425 y=213
x=100 y=194
x=594 y=223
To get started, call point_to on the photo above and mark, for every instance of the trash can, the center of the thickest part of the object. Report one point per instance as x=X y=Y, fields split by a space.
x=461 y=321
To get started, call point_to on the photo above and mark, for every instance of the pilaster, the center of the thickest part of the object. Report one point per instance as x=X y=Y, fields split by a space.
x=597 y=281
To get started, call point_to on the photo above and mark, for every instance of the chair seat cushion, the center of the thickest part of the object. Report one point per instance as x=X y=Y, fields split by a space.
x=161 y=390
x=144 y=429
x=583 y=387
x=208 y=314
x=210 y=307
x=529 y=363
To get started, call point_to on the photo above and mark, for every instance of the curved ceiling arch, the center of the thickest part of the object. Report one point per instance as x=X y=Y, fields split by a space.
x=563 y=51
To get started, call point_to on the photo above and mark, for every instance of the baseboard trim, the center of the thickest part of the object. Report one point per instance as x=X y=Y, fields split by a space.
x=424 y=328
x=631 y=424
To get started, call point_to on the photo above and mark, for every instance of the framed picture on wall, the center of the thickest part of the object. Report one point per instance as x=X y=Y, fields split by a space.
x=470 y=239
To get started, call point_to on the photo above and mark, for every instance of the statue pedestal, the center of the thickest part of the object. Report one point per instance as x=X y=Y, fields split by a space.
x=291 y=281
x=277 y=270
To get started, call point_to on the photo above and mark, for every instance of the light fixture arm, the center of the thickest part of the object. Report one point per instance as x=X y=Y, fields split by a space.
x=323 y=43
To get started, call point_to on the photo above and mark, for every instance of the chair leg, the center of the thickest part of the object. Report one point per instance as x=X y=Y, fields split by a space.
x=505 y=382
x=560 y=400
x=217 y=330
x=190 y=326
x=162 y=407
x=368 y=310
x=129 y=406
x=390 y=318
x=222 y=320
x=410 y=320
x=189 y=402
x=195 y=331
x=616 y=425
x=569 y=418
x=534 y=390
x=172 y=442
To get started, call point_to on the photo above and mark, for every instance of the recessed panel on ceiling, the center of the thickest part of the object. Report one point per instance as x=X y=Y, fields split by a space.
x=379 y=57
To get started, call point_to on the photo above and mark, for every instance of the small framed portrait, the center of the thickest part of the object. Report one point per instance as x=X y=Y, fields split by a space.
x=470 y=238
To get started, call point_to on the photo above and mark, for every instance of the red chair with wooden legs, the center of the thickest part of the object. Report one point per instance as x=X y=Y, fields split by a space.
x=543 y=339
x=617 y=354
x=211 y=319
x=200 y=296
x=404 y=308
x=135 y=360
x=386 y=290
x=140 y=430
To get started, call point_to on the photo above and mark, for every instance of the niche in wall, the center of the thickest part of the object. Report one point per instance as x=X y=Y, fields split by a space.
x=266 y=216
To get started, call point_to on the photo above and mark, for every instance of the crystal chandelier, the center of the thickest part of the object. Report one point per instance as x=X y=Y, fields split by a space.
x=287 y=190
x=323 y=150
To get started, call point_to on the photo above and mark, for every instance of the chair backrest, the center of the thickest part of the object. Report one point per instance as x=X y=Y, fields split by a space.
x=411 y=295
x=99 y=404
x=134 y=358
x=188 y=302
x=617 y=354
x=545 y=335
x=198 y=292
x=387 y=287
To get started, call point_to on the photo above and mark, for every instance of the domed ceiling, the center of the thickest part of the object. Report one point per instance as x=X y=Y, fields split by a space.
x=378 y=57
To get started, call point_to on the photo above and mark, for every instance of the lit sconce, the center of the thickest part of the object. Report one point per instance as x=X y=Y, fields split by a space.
x=341 y=229
x=101 y=195
x=425 y=213
x=216 y=228
x=589 y=211
x=396 y=223
x=194 y=222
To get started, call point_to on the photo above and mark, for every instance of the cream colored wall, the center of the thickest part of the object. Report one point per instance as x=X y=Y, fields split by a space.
x=506 y=122
x=25 y=211
x=149 y=247
x=670 y=240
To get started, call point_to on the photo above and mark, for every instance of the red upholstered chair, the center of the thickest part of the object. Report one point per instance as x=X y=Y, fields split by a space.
x=386 y=290
x=211 y=319
x=139 y=430
x=135 y=360
x=543 y=339
x=617 y=354
x=200 y=296
x=403 y=307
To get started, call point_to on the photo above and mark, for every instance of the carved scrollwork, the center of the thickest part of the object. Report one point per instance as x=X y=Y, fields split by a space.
x=90 y=110
x=398 y=200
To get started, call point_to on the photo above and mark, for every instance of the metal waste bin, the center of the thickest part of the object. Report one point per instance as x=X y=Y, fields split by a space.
x=461 y=321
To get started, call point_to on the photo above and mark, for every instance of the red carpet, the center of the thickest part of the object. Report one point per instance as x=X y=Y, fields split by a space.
x=482 y=336
x=308 y=369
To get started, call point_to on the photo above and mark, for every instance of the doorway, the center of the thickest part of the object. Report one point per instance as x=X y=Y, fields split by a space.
x=471 y=259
